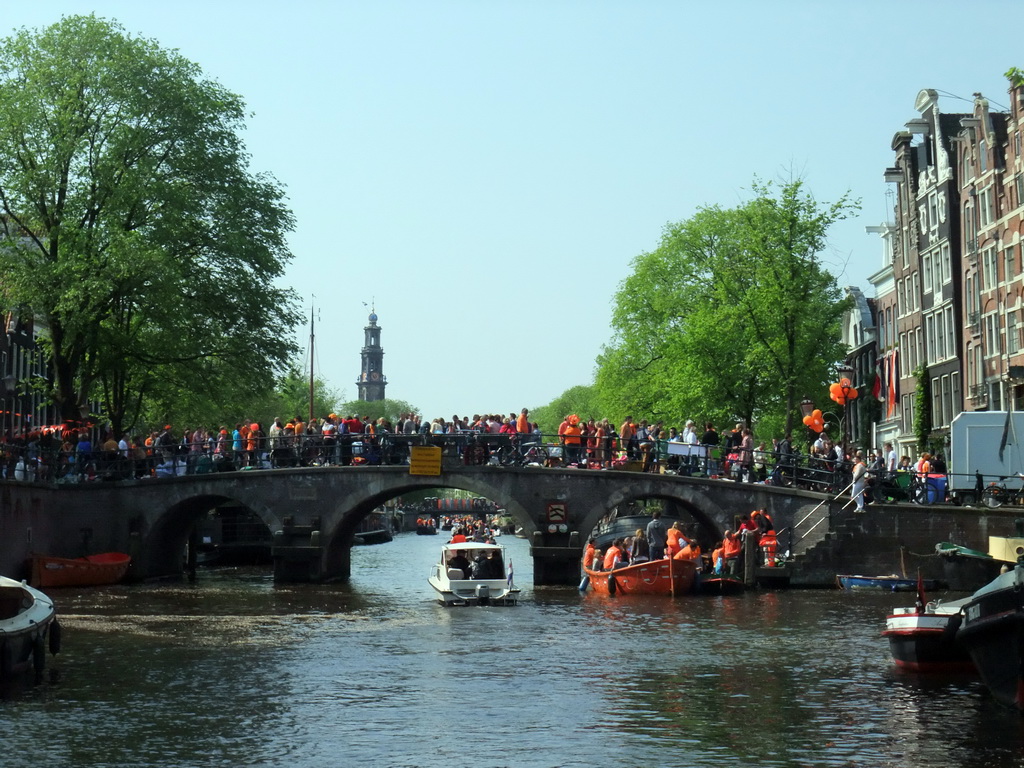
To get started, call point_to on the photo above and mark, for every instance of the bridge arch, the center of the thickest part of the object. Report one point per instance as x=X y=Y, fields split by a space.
x=167 y=533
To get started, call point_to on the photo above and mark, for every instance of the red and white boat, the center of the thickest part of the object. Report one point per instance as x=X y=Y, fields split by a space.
x=925 y=639
x=654 y=577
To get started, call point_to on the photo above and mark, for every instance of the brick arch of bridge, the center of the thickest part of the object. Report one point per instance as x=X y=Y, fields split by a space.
x=709 y=513
x=345 y=514
x=165 y=537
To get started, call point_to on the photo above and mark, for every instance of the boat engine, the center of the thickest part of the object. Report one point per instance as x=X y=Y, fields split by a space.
x=483 y=594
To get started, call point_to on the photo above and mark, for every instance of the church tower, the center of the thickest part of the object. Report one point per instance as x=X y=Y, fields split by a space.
x=371 y=381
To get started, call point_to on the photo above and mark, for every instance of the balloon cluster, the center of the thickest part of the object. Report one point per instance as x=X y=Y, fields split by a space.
x=815 y=421
x=842 y=391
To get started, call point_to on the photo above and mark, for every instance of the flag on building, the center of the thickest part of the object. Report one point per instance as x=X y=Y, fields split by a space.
x=876 y=389
x=892 y=392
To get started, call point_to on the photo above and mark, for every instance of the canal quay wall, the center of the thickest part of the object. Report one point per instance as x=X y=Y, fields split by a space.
x=886 y=539
x=897 y=539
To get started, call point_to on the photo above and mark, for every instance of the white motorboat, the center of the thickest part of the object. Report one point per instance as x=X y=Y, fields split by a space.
x=27 y=616
x=473 y=573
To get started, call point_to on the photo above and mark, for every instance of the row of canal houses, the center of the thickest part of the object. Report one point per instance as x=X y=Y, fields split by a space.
x=942 y=332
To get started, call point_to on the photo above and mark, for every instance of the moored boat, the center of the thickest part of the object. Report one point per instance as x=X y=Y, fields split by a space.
x=924 y=639
x=891 y=583
x=965 y=570
x=719 y=584
x=993 y=633
x=90 y=571
x=473 y=573
x=652 y=577
x=27 y=620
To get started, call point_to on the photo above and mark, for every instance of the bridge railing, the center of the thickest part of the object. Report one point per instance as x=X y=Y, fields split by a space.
x=53 y=462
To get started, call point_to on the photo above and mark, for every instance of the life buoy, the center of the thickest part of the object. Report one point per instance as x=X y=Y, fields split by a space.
x=612 y=586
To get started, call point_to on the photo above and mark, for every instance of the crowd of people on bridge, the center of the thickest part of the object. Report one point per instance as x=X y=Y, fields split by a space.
x=67 y=453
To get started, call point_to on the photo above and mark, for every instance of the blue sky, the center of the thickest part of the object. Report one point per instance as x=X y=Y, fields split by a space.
x=484 y=172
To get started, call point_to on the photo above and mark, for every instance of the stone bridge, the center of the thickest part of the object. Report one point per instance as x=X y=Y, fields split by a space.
x=313 y=512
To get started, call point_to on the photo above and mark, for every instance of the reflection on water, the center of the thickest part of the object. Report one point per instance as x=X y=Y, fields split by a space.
x=235 y=671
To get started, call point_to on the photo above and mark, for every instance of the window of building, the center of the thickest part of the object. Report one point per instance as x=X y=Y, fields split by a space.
x=955 y=395
x=918 y=348
x=950 y=324
x=933 y=211
x=937 y=402
x=929 y=339
x=1012 y=332
x=926 y=267
x=988 y=269
x=992 y=345
x=907 y=406
x=947 y=401
x=915 y=287
x=970 y=232
x=987 y=214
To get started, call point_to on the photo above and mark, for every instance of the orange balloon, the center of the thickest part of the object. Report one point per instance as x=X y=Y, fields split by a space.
x=852 y=394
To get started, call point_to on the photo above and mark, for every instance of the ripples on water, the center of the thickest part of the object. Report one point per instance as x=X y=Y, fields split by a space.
x=234 y=671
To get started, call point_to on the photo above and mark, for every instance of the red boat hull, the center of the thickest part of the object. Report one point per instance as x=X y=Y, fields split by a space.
x=656 y=577
x=91 y=571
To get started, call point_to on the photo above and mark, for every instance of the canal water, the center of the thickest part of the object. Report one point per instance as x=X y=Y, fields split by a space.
x=234 y=671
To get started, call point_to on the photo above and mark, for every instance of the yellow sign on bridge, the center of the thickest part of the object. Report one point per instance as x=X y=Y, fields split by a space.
x=425 y=460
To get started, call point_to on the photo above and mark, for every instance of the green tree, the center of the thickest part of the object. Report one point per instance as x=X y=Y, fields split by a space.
x=732 y=316
x=581 y=400
x=136 y=234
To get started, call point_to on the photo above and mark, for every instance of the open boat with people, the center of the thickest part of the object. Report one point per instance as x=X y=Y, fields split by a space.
x=652 y=577
x=473 y=573
x=992 y=630
x=90 y=571
x=27 y=620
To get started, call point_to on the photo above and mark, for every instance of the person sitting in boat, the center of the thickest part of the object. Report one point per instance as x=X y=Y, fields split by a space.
x=460 y=561
x=458 y=536
x=615 y=556
x=590 y=553
x=488 y=565
x=716 y=559
x=640 y=552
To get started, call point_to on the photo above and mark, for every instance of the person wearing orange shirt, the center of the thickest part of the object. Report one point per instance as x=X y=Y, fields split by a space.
x=675 y=540
x=614 y=556
x=571 y=435
x=523 y=423
x=730 y=552
x=589 y=554
x=690 y=552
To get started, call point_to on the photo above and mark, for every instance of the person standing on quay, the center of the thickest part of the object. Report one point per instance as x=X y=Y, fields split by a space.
x=860 y=480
